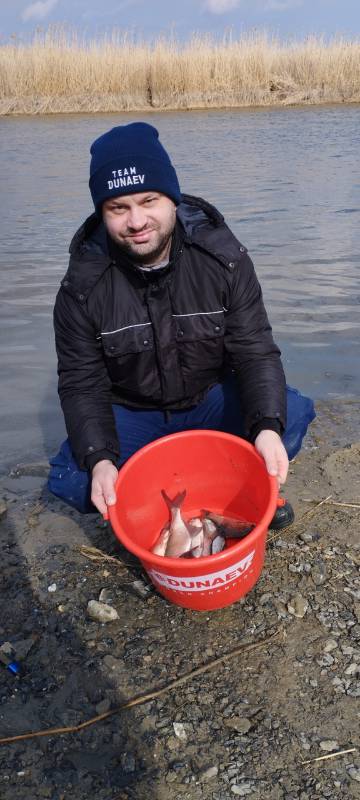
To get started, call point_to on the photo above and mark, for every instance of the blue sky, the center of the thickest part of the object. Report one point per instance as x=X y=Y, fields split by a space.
x=287 y=18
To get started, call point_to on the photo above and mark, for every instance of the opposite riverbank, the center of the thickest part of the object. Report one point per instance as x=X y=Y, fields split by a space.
x=58 y=72
x=249 y=727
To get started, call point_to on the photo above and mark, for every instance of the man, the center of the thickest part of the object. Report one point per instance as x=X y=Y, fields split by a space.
x=160 y=326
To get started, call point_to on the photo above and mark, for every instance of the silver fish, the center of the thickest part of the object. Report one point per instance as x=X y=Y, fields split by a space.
x=218 y=545
x=160 y=545
x=210 y=532
x=197 y=537
x=180 y=539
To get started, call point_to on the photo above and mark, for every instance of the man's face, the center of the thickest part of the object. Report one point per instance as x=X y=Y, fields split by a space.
x=141 y=224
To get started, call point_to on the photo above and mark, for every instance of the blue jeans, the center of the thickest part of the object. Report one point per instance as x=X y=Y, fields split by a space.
x=137 y=427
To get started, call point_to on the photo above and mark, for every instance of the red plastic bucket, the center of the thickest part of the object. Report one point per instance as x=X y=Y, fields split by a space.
x=219 y=471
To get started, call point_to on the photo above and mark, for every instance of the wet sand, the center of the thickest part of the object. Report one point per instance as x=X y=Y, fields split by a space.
x=243 y=729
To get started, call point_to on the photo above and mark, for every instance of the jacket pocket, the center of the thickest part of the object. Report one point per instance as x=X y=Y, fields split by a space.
x=132 y=339
x=199 y=327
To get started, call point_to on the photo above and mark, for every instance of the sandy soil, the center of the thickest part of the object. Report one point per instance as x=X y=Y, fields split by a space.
x=242 y=729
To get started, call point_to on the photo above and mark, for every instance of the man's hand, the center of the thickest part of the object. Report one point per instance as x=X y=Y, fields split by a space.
x=271 y=448
x=104 y=475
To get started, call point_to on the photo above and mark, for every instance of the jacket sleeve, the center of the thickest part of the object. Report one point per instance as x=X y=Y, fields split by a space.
x=84 y=383
x=252 y=353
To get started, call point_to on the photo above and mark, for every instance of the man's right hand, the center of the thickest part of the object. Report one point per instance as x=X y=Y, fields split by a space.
x=104 y=475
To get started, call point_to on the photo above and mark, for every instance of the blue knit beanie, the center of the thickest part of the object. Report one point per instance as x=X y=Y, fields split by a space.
x=130 y=159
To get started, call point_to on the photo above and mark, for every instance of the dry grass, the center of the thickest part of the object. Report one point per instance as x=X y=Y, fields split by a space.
x=58 y=72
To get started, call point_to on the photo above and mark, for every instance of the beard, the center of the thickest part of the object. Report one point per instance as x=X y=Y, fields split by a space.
x=148 y=253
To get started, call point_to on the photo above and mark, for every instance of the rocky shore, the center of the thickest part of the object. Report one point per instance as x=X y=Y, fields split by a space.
x=250 y=727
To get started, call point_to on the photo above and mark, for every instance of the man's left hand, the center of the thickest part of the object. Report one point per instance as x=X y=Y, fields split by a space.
x=269 y=445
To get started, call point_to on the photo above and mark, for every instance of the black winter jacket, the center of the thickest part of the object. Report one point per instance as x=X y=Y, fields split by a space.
x=161 y=340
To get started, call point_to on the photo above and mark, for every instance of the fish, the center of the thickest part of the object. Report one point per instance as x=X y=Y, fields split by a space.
x=229 y=527
x=210 y=532
x=201 y=536
x=159 y=548
x=218 y=545
x=180 y=539
x=197 y=537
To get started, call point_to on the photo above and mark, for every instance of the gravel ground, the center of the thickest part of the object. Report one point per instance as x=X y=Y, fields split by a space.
x=243 y=729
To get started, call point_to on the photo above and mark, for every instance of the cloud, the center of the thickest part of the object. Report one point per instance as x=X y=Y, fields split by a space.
x=221 y=6
x=38 y=10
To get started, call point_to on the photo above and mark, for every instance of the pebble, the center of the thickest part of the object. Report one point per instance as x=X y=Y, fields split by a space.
x=318 y=573
x=179 y=730
x=309 y=536
x=330 y=644
x=352 y=669
x=102 y=707
x=100 y=612
x=329 y=745
x=52 y=587
x=239 y=724
x=298 y=606
x=106 y=596
x=128 y=762
x=207 y=774
x=242 y=789
x=3 y=509
x=142 y=589
x=354 y=774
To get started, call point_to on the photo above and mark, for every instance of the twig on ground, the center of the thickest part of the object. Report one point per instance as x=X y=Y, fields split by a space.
x=299 y=523
x=335 y=503
x=330 y=755
x=93 y=554
x=145 y=698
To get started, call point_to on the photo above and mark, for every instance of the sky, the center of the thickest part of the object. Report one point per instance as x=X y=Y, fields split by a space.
x=150 y=18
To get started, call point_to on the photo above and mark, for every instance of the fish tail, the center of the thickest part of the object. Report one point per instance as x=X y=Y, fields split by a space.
x=176 y=502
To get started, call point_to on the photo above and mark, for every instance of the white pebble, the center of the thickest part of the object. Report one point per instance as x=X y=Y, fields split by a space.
x=330 y=645
x=52 y=587
x=179 y=730
x=100 y=612
x=352 y=669
x=242 y=790
x=329 y=745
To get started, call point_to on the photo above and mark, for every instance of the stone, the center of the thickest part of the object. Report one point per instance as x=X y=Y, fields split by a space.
x=354 y=774
x=329 y=745
x=142 y=589
x=106 y=596
x=3 y=509
x=330 y=644
x=128 y=762
x=103 y=706
x=309 y=536
x=298 y=606
x=100 y=612
x=318 y=572
x=238 y=724
x=352 y=669
x=242 y=789
x=179 y=730
x=52 y=588
x=207 y=774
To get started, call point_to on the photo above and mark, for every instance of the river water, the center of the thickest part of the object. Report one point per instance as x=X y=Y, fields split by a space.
x=287 y=181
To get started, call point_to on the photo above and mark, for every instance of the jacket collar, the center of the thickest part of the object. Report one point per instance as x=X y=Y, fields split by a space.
x=200 y=224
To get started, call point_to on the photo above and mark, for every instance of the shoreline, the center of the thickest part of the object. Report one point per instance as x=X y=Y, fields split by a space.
x=55 y=106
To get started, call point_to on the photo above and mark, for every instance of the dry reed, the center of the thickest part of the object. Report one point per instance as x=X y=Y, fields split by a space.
x=57 y=71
